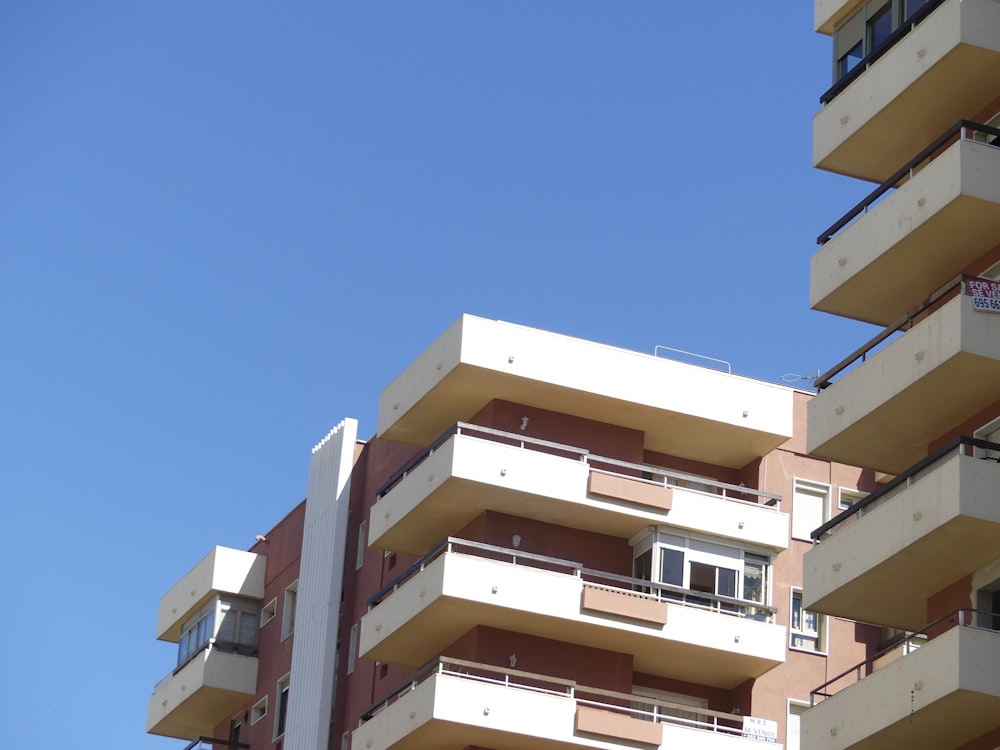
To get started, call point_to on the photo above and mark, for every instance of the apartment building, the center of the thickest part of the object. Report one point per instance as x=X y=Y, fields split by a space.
x=915 y=109
x=549 y=542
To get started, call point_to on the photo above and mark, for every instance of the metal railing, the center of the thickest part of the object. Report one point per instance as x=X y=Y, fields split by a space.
x=868 y=60
x=964 y=617
x=653 y=474
x=905 y=323
x=866 y=505
x=639 y=706
x=204 y=743
x=960 y=131
x=612 y=581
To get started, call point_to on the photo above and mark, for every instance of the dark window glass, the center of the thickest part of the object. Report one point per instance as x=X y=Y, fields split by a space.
x=880 y=27
x=672 y=566
x=851 y=59
x=912 y=6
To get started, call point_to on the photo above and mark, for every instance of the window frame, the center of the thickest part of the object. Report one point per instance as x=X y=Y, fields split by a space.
x=855 y=497
x=288 y=609
x=283 y=693
x=258 y=711
x=822 y=626
x=808 y=486
x=269 y=611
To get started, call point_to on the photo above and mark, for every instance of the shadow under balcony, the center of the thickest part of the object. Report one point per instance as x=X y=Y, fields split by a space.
x=471 y=469
x=915 y=232
x=883 y=413
x=880 y=560
x=943 y=693
x=944 y=68
x=452 y=704
x=691 y=636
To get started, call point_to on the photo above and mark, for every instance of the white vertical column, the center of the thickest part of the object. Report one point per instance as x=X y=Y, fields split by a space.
x=321 y=576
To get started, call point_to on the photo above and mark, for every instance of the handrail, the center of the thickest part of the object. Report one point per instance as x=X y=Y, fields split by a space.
x=228 y=744
x=665 y=591
x=464 y=669
x=907 y=170
x=870 y=661
x=860 y=507
x=825 y=380
x=868 y=60
x=774 y=499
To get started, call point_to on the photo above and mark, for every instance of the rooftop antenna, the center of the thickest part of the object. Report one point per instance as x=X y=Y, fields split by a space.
x=792 y=377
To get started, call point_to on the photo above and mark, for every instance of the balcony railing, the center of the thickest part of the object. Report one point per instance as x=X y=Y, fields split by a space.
x=905 y=323
x=962 y=130
x=963 y=445
x=611 y=581
x=627 y=704
x=214 y=743
x=868 y=60
x=965 y=617
x=640 y=472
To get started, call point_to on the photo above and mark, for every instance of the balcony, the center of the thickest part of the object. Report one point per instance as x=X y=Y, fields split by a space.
x=202 y=693
x=221 y=571
x=883 y=413
x=683 y=410
x=887 y=253
x=453 y=704
x=942 y=694
x=944 y=68
x=691 y=636
x=882 y=559
x=471 y=469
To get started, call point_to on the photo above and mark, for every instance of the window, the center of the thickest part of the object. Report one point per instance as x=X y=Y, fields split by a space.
x=993 y=122
x=879 y=26
x=259 y=711
x=226 y=622
x=849 y=497
x=268 y=611
x=196 y=632
x=353 y=648
x=806 y=628
x=810 y=503
x=700 y=565
x=288 y=611
x=658 y=713
x=988 y=606
x=991 y=434
x=793 y=732
x=362 y=541
x=868 y=30
x=282 y=713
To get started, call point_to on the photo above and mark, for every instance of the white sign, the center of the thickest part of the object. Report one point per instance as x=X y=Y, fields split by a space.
x=985 y=294
x=762 y=730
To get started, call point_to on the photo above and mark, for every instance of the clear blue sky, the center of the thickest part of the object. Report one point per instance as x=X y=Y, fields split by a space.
x=224 y=226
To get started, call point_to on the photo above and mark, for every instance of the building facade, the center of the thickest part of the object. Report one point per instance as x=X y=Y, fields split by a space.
x=915 y=109
x=548 y=543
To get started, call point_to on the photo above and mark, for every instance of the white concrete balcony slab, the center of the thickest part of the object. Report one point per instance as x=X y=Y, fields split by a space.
x=935 y=526
x=460 y=704
x=204 y=692
x=886 y=411
x=915 y=240
x=478 y=469
x=683 y=410
x=946 y=68
x=706 y=640
x=221 y=571
x=942 y=694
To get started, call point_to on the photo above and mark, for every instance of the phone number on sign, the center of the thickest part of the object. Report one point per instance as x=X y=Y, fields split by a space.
x=986 y=303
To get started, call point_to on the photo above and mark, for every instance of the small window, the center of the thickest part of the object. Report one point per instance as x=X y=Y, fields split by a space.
x=810 y=508
x=353 y=648
x=849 y=498
x=879 y=26
x=282 y=713
x=793 y=733
x=259 y=711
x=362 y=542
x=849 y=60
x=288 y=612
x=807 y=628
x=268 y=611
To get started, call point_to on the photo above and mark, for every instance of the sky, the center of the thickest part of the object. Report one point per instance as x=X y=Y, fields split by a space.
x=225 y=226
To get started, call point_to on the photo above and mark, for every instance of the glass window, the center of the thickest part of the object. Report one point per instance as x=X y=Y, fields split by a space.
x=850 y=59
x=879 y=27
x=806 y=627
x=282 y=713
x=288 y=611
x=196 y=632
